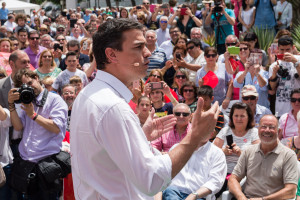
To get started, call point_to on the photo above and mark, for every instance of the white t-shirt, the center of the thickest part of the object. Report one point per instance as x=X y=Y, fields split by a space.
x=64 y=78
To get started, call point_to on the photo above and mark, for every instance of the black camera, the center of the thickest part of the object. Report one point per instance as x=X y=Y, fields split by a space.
x=282 y=72
x=218 y=8
x=58 y=46
x=26 y=94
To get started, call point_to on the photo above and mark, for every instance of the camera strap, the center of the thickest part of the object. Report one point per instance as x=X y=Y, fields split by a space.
x=44 y=98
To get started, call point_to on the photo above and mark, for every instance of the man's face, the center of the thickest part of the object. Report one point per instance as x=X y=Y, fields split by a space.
x=34 y=83
x=175 y=33
x=196 y=34
x=181 y=119
x=163 y=23
x=251 y=101
x=3 y=4
x=188 y=93
x=34 y=41
x=132 y=61
x=207 y=102
x=156 y=96
x=21 y=22
x=68 y=95
x=22 y=37
x=21 y=63
x=295 y=102
x=146 y=3
x=285 y=49
x=193 y=50
x=230 y=41
x=46 y=42
x=72 y=62
x=268 y=130
x=78 y=9
x=150 y=38
x=74 y=48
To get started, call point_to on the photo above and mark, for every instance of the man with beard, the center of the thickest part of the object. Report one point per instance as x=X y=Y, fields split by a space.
x=69 y=94
x=270 y=167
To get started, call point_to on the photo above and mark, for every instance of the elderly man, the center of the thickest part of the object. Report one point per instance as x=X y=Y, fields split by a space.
x=196 y=32
x=250 y=97
x=231 y=40
x=163 y=32
x=270 y=167
x=169 y=44
x=69 y=94
x=122 y=57
x=158 y=56
x=46 y=41
x=34 y=50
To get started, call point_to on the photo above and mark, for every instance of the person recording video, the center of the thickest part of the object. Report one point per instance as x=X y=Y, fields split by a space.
x=223 y=19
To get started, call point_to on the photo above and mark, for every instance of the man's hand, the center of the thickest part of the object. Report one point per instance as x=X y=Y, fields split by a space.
x=28 y=108
x=166 y=88
x=236 y=149
x=13 y=96
x=225 y=103
x=191 y=197
x=156 y=127
x=288 y=57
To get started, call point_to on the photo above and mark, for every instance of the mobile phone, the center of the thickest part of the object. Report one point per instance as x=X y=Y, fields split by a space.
x=178 y=56
x=136 y=84
x=64 y=14
x=73 y=22
x=229 y=140
x=139 y=7
x=156 y=85
x=257 y=58
x=280 y=56
x=152 y=8
x=274 y=48
x=58 y=46
x=85 y=45
x=233 y=50
x=182 y=11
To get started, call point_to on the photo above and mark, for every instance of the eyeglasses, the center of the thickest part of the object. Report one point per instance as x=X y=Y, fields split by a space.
x=271 y=127
x=190 y=48
x=146 y=3
x=211 y=55
x=47 y=56
x=60 y=40
x=76 y=51
x=188 y=90
x=174 y=32
x=140 y=18
x=293 y=100
x=67 y=93
x=59 y=30
x=163 y=22
x=155 y=76
x=181 y=76
x=34 y=38
x=231 y=44
x=43 y=30
x=244 y=49
x=178 y=114
x=249 y=97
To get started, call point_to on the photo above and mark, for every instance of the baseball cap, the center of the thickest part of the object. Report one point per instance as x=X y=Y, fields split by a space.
x=249 y=90
x=61 y=26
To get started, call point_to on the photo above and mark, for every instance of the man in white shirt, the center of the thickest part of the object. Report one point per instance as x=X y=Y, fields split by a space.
x=163 y=32
x=10 y=23
x=111 y=157
x=169 y=44
x=202 y=177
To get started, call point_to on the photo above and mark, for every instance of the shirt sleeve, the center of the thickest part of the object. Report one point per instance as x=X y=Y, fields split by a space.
x=59 y=114
x=222 y=133
x=290 y=169
x=157 y=144
x=264 y=75
x=235 y=83
x=240 y=168
x=6 y=123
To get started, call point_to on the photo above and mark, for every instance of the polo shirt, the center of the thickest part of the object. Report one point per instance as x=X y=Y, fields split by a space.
x=34 y=58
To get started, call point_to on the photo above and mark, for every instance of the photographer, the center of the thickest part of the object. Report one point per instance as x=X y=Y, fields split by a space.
x=43 y=121
x=224 y=20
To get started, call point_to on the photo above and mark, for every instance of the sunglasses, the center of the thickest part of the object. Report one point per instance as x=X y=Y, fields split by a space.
x=174 y=32
x=190 y=48
x=293 y=100
x=249 y=97
x=146 y=3
x=16 y=45
x=34 y=38
x=211 y=55
x=163 y=22
x=76 y=51
x=43 y=30
x=188 y=90
x=181 y=76
x=231 y=44
x=47 y=56
x=60 y=30
x=60 y=40
x=140 y=19
x=244 y=49
x=178 y=114
x=155 y=76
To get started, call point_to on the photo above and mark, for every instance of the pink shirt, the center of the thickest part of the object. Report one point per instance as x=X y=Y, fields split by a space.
x=167 y=140
x=288 y=125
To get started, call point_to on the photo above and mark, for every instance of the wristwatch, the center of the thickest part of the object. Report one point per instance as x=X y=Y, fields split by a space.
x=196 y=194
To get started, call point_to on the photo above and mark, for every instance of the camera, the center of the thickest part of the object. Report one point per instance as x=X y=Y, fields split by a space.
x=58 y=46
x=218 y=8
x=26 y=94
x=283 y=72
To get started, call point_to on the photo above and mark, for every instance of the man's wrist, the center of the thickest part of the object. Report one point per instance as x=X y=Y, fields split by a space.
x=196 y=194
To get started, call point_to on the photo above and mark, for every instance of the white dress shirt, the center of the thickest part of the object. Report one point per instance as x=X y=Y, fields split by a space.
x=111 y=157
x=206 y=168
x=168 y=47
x=6 y=156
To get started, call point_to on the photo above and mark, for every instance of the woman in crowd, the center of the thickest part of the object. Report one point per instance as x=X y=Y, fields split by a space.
x=143 y=108
x=181 y=40
x=62 y=41
x=141 y=17
x=223 y=89
x=246 y=15
x=242 y=132
x=37 y=23
x=5 y=45
x=283 y=14
x=180 y=77
x=47 y=66
x=189 y=93
x=186 y=20
x=123 y=13
x=237 y=4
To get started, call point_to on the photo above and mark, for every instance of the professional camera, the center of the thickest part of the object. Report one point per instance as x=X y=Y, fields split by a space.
x=283 y=72
x=218 y=8
x=26 y=94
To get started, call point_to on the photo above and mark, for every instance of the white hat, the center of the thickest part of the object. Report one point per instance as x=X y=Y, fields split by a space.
x=249 y=90
x=207 y=1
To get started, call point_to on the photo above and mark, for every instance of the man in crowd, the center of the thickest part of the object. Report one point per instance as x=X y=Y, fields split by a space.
x=34 y=49
x=22 y=36
x=169 y=44
x=163 y=32
x=3 y=13
x=196 y=33
x=46 y=41
x=270 y=167
x=69 y=94
x=121 y=58
x=231 y=40
x=164 y=9
x=224 y=22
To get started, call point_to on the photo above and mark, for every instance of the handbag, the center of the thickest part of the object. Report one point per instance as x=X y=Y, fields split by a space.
x=2 y=177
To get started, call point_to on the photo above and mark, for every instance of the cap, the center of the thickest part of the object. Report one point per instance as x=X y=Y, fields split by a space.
x=249 y=90
x=207 y=1
x=109 y=17
x=43 y=26
x=61 y=26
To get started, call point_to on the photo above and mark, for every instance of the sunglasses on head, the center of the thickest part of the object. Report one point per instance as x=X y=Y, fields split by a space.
x=293 y=100
x=211 y=55
x=178 y=114
x=249 y=97
x=190 y=48
x=231 y=44
x=188 y=90
x=156 y=76
x=180 y=76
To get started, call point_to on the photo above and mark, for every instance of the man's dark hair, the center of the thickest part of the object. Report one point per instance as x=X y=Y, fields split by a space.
x=14 y=56
x=294 y=91
x=205 y=90
x=22 y=30
x=73 y=43
x=240 y=105
x=194 y=41
x=110 y=35
x=32 y=32
x=285 y=40
x=172 y=28
x=13 y=38
x=71 y=53
x=46 y=20
x=24 y=72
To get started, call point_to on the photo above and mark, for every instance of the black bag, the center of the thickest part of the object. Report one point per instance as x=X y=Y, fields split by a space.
x=239 y=26
x=64 y=160
x=24 y=177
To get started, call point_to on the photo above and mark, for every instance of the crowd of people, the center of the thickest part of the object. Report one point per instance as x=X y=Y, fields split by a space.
x=146 y=107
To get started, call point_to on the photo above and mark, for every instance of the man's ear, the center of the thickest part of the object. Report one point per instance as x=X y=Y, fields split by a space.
x=111 y=55
x=12 y=65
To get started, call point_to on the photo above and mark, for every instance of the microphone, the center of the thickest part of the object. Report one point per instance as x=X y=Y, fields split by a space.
x=136 y=64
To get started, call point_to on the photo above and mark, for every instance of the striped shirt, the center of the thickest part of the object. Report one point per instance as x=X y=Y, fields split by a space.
x=157 y=60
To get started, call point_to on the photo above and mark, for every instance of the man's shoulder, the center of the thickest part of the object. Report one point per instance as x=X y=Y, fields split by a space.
x=165 y=43
x=263 y=110
x=3 y=80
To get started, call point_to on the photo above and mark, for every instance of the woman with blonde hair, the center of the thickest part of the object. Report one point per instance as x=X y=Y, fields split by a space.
x=85 y=44
x=5 y=45
x=47 y=66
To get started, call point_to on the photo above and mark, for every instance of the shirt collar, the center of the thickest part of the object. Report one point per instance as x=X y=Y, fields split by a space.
x=115 y=83
x=276 y=150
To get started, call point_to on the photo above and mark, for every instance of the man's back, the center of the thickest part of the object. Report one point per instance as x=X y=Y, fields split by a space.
x=5 y=86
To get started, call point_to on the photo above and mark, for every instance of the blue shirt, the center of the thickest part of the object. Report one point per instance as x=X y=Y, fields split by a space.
x=260 y=112
x=86 y=18
x=37 y=142
x=157 y=59
x=262 y=91
x=226 y=26
x=264 y=17
x=3 y=14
